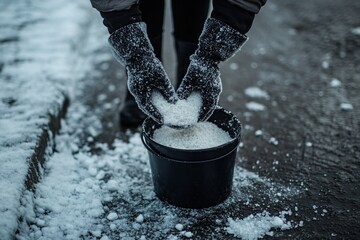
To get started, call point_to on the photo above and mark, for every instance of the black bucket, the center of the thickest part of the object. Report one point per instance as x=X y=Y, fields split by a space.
x=194 y=178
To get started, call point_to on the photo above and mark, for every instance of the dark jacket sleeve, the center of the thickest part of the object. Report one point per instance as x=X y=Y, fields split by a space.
x=249 y=5
x=113 y=5
x=238 y=14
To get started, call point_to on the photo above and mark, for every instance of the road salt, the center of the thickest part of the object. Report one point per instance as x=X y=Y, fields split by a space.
x=201 y=135
x=182 y=113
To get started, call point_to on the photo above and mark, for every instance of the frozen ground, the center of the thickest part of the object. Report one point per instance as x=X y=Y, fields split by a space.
x=297 y=168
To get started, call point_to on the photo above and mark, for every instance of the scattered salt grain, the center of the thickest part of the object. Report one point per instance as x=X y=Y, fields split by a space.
x=273 y=141
x=335 y=82
x=182 y=113
x=346 y=106
x=140 y=218
x=256 y=226
x=201 y=135
x=112 y=216
x=254 y=106
x=179 y=227
x=325 y=64
x=96 y=233
x=308 y=144
x=104 y=238
x=256 y=92
x=142 y=237
x=258 y=133
x=93 y=171
x=188 y=234
x=112 y=185
x=112 y=227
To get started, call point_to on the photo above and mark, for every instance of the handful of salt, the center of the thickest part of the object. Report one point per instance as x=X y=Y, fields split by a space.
x=182 y=114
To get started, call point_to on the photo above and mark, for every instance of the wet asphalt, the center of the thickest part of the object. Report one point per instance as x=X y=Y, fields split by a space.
x=296 y=49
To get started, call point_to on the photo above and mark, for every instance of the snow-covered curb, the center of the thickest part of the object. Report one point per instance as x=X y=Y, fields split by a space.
x=38 y=59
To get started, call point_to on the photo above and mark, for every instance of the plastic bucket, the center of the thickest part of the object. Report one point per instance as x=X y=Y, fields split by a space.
x=197 y=178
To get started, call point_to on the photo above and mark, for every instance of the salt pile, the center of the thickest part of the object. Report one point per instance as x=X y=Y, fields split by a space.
x=257 y=226
x=201 y=135
x=182 y=113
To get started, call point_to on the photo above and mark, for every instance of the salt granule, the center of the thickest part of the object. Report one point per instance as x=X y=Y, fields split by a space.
x=179 y=227
x=201 y=135
x=182 y=113
x=139 y=218
x=112 y=216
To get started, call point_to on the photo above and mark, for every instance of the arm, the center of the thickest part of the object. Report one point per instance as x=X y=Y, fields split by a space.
x=223 y=35
x=132 y=48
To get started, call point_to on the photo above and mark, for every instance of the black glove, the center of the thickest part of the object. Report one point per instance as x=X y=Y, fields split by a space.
x=133 y=49
x=218 y=42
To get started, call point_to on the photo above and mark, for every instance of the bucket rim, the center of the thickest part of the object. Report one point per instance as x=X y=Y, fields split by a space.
x=236 y=138
x=149 y=148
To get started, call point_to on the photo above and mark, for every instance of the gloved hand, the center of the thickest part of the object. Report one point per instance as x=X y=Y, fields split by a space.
x=218 y=42
x=133 y=49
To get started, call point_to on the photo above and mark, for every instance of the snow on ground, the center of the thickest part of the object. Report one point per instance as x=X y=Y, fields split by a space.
x=110 y=193
x=37 y=62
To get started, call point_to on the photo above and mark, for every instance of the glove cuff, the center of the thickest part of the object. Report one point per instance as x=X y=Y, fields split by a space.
x=219 y=41
x=131 y=43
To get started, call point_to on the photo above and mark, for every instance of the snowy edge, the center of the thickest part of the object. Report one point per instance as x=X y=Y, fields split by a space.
x=34 y=96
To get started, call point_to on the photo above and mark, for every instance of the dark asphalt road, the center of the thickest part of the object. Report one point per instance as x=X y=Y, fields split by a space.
x=295 y=49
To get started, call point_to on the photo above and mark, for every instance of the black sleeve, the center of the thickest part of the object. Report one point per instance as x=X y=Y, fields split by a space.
x=235 y=15
x=116 y=19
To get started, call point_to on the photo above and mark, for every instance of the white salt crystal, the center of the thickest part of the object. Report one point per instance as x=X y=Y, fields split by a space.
x=258 y=133
x=104 y=238
x=308 y=144
x=188 y=234
x=179 y=227
x=96 y=233
x=182 y=113
x=201 y=135
x=112 y=185
x=277 y=222
x=254 y=106
x=112 y=227
x=256 y=92
x=325 y=64
x=346 y=106
x=140 y=218
x=273 y=141
x=112 y=216
x=335 y=82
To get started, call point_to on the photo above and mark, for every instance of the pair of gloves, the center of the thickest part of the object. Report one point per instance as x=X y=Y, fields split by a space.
x=132 y=48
